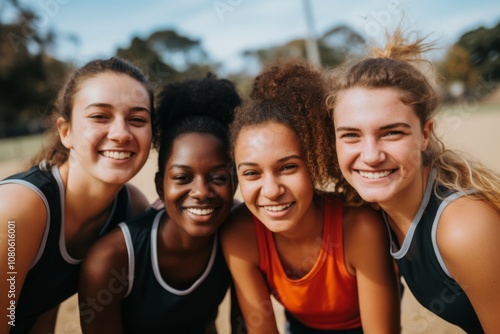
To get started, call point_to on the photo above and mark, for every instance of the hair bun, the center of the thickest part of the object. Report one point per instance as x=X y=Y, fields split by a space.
x=210 y=96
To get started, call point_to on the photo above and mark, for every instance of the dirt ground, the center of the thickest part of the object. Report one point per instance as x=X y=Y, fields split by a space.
x=477 y=134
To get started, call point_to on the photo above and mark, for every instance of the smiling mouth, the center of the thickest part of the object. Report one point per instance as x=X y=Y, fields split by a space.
x=376 y=175
x=116 y=155
x=200 y=212
x=277 y=208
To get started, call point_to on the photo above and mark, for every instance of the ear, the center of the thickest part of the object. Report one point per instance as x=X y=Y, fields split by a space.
x=64 y=130
x=426 y=132
x=159 y=185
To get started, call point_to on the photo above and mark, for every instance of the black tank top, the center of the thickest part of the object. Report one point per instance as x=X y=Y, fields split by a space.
x=151 y=305
x=423 y=268
x=53 y=276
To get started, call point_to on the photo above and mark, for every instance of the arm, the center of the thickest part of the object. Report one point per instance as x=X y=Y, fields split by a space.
x=242 y=256
x=106 y=259
x=374 y=268
x=21 y=231
x=475 y=264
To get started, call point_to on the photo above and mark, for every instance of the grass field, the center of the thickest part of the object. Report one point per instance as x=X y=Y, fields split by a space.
x=470 y=128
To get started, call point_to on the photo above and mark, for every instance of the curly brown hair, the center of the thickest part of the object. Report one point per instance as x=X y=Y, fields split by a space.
x=292 y=93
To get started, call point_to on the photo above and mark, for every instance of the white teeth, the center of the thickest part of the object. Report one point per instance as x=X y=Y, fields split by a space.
x=276 y=208
x=117 y=155
x=200 y=212
x=376 y=175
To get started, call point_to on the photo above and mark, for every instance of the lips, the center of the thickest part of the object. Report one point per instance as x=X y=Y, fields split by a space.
x=376 y=175
x=117 y=155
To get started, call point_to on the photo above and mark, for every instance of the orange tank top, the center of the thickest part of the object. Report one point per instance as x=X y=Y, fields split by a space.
x=327 y=296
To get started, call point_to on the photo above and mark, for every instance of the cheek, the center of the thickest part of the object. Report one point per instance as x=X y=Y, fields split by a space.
x=226 y=194
x=344 y=153
x=247 y=190
x=144 y=136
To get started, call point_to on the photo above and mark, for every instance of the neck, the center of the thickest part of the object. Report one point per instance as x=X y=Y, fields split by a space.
x=176 y=239
x=85 y=198
x=310 y=229
x=401 y=211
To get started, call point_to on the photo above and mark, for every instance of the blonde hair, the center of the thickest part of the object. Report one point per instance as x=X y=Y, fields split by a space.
x=399 y=65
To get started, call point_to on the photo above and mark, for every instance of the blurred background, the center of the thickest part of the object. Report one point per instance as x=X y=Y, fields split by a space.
x=41 y=41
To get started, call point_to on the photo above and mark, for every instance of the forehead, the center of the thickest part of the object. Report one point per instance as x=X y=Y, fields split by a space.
x=365 y=105
x=266 y=139
x=112 y=88
x=197 y=147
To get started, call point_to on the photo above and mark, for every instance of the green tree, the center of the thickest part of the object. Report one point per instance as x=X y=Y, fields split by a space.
x=167 y=56
x=334 y=46
x=29 y=77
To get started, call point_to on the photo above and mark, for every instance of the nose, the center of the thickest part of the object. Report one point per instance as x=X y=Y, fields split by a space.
x=372 y=152
x=272 y=187
x=201 y=189
x=119 y=131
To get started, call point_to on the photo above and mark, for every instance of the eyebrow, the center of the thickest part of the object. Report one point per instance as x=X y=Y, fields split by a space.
x=288 y=157
x=385 y=127
x=109 y=106
x=216 y=167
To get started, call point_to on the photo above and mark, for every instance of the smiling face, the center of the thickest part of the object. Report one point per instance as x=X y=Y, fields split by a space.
x=272 y=175
x=379 y=144
x=109 y=136
x=196 y=186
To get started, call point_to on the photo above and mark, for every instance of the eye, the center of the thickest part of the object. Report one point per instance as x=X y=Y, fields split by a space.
x=182 y=179
x=289 y=168
x=349 y=135
x=220 y=179
x=138 y=121
x=393 y=134
x=99 y=117
x=250 y=174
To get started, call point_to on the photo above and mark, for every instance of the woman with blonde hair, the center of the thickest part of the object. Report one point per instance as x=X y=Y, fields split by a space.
x=443 y=211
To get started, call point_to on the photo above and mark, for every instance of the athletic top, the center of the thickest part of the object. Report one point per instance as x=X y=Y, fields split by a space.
x=326 y=298
x=53 y=276
x=151 y=305
x=422 y=265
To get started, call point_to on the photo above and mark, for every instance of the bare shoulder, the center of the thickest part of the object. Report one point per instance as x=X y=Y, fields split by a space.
x=362 y=221
x=138 y=200
x=366 y=238
x=240 y=219
x=19 y=200
x=107 y=254
x=25 y=209
x=471 y=223
x=238 y=234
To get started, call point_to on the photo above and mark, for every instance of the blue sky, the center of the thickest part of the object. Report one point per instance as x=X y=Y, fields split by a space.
x=228 y=27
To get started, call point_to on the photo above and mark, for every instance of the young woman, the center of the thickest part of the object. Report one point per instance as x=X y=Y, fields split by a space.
x=442 y=210
x=173 y=274
x=325 y=262
x=103 y=131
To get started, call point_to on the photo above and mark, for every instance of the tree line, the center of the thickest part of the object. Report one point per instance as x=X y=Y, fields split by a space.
x=30 y=77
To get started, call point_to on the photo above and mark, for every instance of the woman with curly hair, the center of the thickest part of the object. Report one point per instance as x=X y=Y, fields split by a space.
x=325 y=262
x=442 y=210
x=164 y=272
